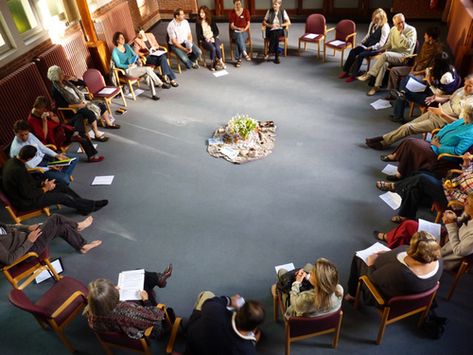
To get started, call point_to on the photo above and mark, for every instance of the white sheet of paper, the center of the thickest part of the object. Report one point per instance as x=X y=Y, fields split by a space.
x=220 y=73
x=229 y=152
x=375 y=248
x=158 y=53
x=130 y=283
x=287 y=267
x=138 y=92
x=106 y=91
x=390 y=169
x=80 y=148
x=429 y=227
x=428 y=137
x=381 y=104
x=311 y=36
x=213 y=141
x=103 y=180
x=415 y=86
x=46 y=274
x=392 y=199
x=337 y=43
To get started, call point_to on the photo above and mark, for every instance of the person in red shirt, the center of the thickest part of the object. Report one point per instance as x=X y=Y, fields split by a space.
x=239 y=19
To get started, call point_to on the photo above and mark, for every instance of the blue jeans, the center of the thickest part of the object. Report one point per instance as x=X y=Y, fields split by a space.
x=161 y=61
x=187 y=59
x=213 y=48
x=417 y=97
x=240 y=41
x=63 y=175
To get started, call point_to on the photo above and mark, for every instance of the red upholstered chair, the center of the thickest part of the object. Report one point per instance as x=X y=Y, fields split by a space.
x=315 y=32
x=110 y=340
x=96 y=84
x=299 y=328
x=466 y=265
x=399 y=307
x=345 y=37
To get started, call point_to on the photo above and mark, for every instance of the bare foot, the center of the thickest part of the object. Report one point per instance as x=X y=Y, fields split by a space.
x=87 y=247
x=85 y=223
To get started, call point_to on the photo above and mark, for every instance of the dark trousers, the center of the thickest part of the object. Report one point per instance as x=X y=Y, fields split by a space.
x=355 y=59
x=273 y=40
x=152 y=279
x=416 y=97
x=213 y=48
x=357 y=269
x=161 y=61
x=77 y=121
x=58 y=226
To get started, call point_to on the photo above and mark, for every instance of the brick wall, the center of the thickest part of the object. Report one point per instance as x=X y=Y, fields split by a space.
x=167 y=7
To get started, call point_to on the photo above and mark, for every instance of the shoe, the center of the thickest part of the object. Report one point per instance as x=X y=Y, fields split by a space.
x=101 y=138
x=222 y=64
x=238 y=63
x=155 y=98
x=375 y=145
x=396 y=119
x=350 y=79
x=398 y=95
x=95 y=159
x=266 y=57
x=195 y=66
x=393 y=178
x=211 y=67
x=174 y=83
x=165 y=86
x=247 y=58
x=166 y=274
x=390 y=98
x=100 y=204
x=276 y=60
x=113 y=126
x=76 y=138
x=376 y=235
x=166 y=79
x=374 y=139
x=385 y=186
x=343 y=75
x=363 y=77
x=373 y=91
x=385 y=157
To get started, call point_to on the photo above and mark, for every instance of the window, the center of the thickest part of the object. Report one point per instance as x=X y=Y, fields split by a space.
x=23 y=15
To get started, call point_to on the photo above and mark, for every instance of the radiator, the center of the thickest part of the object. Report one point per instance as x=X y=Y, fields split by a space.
x=117 y=19
x=77 y=53
x=53 y=56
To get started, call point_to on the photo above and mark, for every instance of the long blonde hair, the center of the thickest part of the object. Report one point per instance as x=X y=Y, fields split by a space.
x=326 y=281
x=103 y=297
x=382 y=15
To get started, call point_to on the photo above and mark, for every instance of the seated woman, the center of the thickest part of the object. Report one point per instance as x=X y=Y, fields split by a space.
x=207 y=35
x=66 y=94
x=275 y=22
x=325 y=296
x=402 y=271
x=145 y=45
x=375 y=38
x=106 y=313
x=441 y=80
x=415 y=154
x=47 y=127
x=459 y=230
x=239 y=20
x=125 y=58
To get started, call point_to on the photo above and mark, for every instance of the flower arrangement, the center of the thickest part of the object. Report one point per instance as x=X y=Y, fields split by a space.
x=241 y=125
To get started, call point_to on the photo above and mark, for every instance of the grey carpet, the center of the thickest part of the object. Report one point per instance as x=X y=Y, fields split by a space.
x=225 y=227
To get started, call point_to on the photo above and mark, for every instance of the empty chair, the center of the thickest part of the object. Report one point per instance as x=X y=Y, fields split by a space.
x=97 y=87
x=315 y=32
x=465 y=265
x=345 y=37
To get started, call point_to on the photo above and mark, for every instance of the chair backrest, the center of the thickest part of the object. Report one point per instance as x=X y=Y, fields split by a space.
x=400 y=305
x=19 y=299
x=121 y=340
x=343 y=29
x=94 y=80
x=315 y=23
x=300 y=326
x=22 y=268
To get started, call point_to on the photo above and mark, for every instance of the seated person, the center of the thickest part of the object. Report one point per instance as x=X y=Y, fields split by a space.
x=459 y=230
x=47 y=127
x=26 y=193
x=207 y=35
x=435 y=117
x=375 y=38
x=239 y=20
x=16 y=240
x=43 y=156
x=125 y=58
x=145 y=44
x=326 y=293
x=180 y=40
x=402 y=271
x=440 y=79
x=67 y=94
x=415 y=154
x=401 y=43
x=275 y=22
x=106 y=313
x=223 y=325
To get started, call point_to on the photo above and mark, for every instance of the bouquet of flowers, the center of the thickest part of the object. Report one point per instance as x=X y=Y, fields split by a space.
x=241 y=125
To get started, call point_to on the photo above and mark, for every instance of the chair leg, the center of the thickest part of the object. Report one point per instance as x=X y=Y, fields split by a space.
x=132 y=91
x=172 y=337
x=285 y=46
x=47 y=211
x=336 y=337
x=123 y=96
x=287 y=339
x=461 y=271
x=411 y=109
x=299 y=47
x=275 y=303
x=66 y=342
x=223 y=53
x=382 y=326
x=341 y=59
x=107 y=104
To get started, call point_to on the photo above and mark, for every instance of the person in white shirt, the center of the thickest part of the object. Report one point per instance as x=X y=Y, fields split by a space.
x=276 y=22
x=44 y=155
x=180 y=40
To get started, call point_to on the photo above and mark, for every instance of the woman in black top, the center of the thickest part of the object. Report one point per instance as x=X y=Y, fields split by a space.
x=207 y=35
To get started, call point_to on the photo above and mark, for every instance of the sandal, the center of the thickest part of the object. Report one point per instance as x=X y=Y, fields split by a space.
x=113 y=126
x=398 y=219
x=380 y=236
x=393 y=178
x=101 y=138
x=385 y=186
x=385 y=157
x=238 y=63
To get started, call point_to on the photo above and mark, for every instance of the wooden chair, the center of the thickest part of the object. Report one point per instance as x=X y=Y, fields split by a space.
x=121 y=78
x=99 y=90
x=299 y=328
x=172 y=55
x=345 y=37
x=111 y=340
x=222 y=48
x=396 y=308
x=249 y=43
x=282 y=39
x=315 y=32
x=465 y=266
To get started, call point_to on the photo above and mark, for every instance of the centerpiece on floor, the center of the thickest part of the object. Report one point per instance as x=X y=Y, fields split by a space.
x=242 y=139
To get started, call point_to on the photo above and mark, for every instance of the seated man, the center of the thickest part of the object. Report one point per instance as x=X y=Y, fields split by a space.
x=223 y=325
x=26 y=193
x=47 y=127
x=17 y=240
x=180 y=40
x=401 y=43
x=43 y=156
x=435 y=117
x=145 y=45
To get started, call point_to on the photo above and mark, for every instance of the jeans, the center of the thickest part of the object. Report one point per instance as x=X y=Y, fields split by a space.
x=161 y=61
x=187 y=59
x=417 y=97
x=63 y=175
x=213 y=48
x=355 y=59
x=240 y=39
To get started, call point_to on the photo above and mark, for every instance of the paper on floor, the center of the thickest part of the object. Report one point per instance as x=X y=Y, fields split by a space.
x=380 y=104
x=390 y=170
x=392 y=199
x=103 y=180
x=220 y=73
x=138 y=92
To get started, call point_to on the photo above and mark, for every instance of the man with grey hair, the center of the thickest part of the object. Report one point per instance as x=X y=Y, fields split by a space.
x=400 y=46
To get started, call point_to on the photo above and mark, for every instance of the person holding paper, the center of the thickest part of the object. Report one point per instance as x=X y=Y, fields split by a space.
x=402 y=271
x=207 y=35
x=125 y=58
x=16 y=240
x=145 y=45
x=276 y=21
x=106 y=313
x=435 y=117
x=239 y=22
x=44 y=155
x=376 y=37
